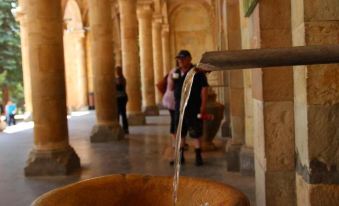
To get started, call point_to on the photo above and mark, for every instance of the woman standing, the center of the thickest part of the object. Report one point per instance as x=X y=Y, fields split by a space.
x=122 y=97
x=169 y=102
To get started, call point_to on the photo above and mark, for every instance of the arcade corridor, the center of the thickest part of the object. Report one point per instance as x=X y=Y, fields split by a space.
x=282 y=122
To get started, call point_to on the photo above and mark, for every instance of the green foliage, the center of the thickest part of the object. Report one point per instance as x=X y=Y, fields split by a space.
x=10 y=52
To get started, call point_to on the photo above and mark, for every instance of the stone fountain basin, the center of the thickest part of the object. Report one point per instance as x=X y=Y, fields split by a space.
x=138 y=190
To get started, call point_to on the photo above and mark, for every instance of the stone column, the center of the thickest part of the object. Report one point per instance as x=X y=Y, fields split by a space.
x=81 y=64
x=236 y=91
x=51 y=153
x=246 y=155
x=130 y=56
x=157 y=54
x=249 y=39
x=237 y=121
x=273 y=112
x=75 y=69
x=116 y=35
x=223 y=45
x=225 y=98
x=316 y=105
x=25 y=61
x=90 y=77
x=166 y=48
x=145 y=13
x=107 y=127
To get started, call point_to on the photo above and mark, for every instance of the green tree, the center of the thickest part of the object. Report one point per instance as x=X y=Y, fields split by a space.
x=10 y=53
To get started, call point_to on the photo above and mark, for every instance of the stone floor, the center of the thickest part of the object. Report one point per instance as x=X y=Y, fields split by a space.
x=144 y=151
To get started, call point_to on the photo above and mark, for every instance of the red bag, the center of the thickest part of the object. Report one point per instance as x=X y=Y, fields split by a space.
x=162 y=85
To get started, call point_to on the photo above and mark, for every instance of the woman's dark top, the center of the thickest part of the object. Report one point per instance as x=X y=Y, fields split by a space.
x=121 y=87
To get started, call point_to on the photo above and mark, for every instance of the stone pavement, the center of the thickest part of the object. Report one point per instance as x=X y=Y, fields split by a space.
x=144 y=151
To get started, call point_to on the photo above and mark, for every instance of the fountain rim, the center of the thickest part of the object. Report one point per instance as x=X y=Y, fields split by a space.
x=127 y=176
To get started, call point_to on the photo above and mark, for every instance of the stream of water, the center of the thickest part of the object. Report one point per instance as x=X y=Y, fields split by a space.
x=185 y=94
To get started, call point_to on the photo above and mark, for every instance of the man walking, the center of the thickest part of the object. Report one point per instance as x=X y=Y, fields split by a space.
x=196 y=103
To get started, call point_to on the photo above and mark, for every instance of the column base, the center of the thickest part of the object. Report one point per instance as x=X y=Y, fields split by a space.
x=136 y=119
x=276 y=188
x=316 y=194
x=79 y=109
x=233 y=156
x=76 y=109
x=106 y=133
x=162 y=107
x=247 y=161
x=52 y=162
x=151 y=111
x=226 y=129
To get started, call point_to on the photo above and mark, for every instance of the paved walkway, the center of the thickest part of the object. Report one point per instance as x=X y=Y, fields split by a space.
x=144 y=151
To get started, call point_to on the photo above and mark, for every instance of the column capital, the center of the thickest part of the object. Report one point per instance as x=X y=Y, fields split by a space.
x=145 y=2
x=145 y=9
x=157 y=18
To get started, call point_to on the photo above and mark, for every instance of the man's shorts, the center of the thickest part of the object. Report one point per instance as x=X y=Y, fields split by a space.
x=191 y=124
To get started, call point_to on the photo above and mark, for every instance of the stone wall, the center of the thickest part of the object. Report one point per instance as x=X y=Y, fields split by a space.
x=316 y=105
x=269 y=105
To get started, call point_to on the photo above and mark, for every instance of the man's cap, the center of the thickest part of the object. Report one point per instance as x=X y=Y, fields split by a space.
x=183 y=54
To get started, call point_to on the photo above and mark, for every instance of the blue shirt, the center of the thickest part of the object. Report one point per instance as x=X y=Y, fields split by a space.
x=10 y=109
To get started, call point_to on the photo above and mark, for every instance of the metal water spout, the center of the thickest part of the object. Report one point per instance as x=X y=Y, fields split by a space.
x=274 y=57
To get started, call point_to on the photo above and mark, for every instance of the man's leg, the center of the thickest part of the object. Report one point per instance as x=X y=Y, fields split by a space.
x=124 y=119
x=122 y=112
x=13 y=119
x=181 y=150
x=184 y=130
x=198 y=158
x=8 y=120
x=172 y=127
x=196 y=133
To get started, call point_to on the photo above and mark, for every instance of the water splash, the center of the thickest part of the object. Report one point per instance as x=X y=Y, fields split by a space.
x=185 y=94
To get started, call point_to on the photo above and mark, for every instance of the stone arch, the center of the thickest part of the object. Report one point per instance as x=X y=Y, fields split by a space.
x=75 y=59
x=192 y=26
x=81 y=4
x=72 y=15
